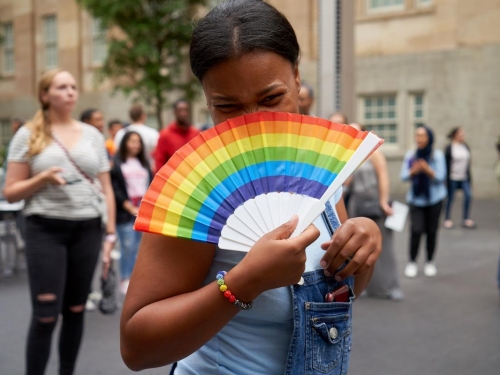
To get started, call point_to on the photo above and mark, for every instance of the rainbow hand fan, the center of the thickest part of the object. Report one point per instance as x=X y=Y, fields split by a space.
x=246 y=176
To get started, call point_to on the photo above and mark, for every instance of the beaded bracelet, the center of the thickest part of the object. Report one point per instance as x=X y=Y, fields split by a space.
x=228 y=295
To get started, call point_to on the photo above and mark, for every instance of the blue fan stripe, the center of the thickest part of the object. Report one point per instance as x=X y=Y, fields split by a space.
x=312 y=181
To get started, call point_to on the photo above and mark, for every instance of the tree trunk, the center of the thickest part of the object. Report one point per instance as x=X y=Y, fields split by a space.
x=159 y=112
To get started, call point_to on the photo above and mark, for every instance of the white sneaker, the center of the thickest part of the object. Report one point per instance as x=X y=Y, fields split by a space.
x=411 y=269
x=90 y=305
x=396 y=295
x=430 y=269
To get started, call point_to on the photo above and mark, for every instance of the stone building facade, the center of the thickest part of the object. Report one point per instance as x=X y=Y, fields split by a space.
x=435 y=62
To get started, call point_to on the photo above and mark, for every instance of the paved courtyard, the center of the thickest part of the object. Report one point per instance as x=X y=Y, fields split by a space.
x=446 y=325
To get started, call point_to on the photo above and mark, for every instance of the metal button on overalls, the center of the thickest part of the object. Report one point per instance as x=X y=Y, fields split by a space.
x=333 y=333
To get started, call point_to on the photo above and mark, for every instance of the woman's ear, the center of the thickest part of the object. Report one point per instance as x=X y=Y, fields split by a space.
x=44 y=98
x=296 y=75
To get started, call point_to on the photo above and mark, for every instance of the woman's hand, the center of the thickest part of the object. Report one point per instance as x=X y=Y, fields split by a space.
x=52 y=176
x=107 y=248
x=359 y=240
x=274 y=261
x=426 y=168
x=386 y=208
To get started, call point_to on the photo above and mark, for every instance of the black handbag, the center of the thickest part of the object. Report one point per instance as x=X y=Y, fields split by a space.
x=109 y=304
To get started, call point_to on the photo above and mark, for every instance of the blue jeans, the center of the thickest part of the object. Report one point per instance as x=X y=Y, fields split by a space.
x=130 y=240
x=454 y=186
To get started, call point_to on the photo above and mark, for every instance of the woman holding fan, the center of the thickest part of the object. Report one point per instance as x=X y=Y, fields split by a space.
x=174 y=310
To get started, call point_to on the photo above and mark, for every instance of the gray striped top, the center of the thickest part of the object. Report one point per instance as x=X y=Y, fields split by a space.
x=74 y=201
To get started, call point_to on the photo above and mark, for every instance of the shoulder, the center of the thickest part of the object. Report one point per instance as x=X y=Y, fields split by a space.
x=120 y=132
x=409 y=154
x=92 y=133
x=23 y=132
x=437 y=154
x=21 y=137
x=149 y=130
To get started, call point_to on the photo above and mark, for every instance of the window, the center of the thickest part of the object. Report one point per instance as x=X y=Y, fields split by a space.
x=50 y=41
x=5 y=132
x=379 y=116
x=99 y=46
x=383 y=5
x=417 y=110
x=8 y=48
x=424 y=2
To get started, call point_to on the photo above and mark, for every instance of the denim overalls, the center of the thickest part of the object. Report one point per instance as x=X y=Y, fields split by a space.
x=321 y=339
x=321 y=336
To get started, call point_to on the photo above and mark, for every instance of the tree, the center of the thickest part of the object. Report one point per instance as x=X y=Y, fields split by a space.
x=147 y=47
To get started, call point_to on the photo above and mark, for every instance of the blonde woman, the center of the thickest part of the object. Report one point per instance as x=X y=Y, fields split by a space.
x=59 y=167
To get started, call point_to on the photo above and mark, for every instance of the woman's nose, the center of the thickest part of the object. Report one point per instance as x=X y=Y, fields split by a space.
x=251 y=109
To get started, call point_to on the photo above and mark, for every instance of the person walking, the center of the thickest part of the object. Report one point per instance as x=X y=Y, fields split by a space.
x=458 y=176
x=425 y=168
x=130 y=176
x=174 y=309
x=60 y=168
x=369 y=191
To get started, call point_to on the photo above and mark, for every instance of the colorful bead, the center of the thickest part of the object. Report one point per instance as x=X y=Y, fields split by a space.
x=228 y=295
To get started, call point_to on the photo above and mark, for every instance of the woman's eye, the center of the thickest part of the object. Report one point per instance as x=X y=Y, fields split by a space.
x=226 y=107
x=271 y=99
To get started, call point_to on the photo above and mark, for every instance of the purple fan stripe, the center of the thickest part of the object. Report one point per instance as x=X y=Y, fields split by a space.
x=296 y=185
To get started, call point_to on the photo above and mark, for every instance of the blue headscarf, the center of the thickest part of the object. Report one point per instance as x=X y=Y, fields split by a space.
x=421 y=182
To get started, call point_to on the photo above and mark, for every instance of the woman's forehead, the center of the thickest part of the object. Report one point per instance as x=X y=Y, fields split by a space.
x=420 y=131
x=252 y=72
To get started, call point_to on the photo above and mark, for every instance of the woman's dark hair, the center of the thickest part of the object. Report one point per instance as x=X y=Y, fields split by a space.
x=498 y=144
x=122 y=150
x=236 y=27
x=453 y=132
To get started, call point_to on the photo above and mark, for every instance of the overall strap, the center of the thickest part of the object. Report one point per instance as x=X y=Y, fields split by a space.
x=330 y=218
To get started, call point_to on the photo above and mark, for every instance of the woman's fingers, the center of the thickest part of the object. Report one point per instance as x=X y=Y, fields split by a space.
x=358 y=241
x=284 y=230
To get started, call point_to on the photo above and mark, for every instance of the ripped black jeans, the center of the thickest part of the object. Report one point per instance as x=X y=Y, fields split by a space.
x=61 y=257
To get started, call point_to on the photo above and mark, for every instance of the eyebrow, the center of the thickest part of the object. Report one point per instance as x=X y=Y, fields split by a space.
x=260 y=93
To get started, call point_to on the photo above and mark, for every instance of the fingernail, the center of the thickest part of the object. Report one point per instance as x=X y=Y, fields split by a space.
x=322 y=264
x=338 y=278
x=327 y=273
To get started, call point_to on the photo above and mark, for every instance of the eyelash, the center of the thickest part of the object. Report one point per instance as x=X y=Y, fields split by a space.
x=233 y=107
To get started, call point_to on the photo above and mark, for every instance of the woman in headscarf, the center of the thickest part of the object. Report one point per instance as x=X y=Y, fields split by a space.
x=425 y=168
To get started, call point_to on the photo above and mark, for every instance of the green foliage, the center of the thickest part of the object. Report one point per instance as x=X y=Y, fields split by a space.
x=148 y=57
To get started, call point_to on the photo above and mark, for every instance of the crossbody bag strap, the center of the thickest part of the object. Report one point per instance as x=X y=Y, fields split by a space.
x=77 y=167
